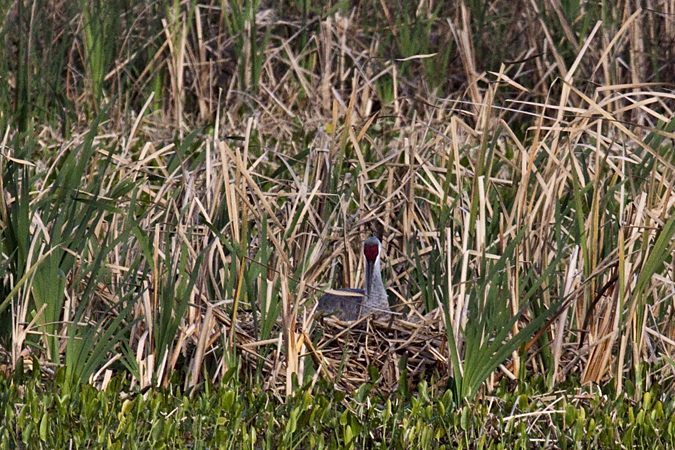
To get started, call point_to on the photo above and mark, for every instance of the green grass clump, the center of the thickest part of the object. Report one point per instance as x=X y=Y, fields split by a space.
x=61 y=412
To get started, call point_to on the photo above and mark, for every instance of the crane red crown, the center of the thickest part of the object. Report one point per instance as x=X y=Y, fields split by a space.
x=371 y=252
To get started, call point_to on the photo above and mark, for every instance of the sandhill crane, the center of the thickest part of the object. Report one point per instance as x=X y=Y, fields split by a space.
x=362 y=301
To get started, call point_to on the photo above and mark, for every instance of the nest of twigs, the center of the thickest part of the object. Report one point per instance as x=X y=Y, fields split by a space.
x=347 y=352
x=351 y=349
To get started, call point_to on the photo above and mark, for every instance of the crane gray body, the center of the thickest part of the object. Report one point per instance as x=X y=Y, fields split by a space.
x=357 y=303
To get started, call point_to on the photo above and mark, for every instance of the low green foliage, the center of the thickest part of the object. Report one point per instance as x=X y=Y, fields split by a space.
x=61 y=413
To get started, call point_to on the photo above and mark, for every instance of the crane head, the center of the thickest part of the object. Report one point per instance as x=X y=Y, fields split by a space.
x=371 y=248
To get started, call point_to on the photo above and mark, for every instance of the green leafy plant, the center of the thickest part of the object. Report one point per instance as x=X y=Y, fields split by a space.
x=490 y=322
x=241 y=23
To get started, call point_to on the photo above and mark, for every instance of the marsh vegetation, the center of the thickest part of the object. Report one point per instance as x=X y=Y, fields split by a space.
x=183 y=180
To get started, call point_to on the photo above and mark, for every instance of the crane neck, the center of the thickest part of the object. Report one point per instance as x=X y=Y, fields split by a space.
x=374 y=285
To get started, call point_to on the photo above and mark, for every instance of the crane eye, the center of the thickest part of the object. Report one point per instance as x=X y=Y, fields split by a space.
x=371 y=252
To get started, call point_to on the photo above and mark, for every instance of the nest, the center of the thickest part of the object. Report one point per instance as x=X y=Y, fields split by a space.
x=346 y=352
x=392 y=345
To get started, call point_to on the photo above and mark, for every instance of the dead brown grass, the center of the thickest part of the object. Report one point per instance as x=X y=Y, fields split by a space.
x=316 y=167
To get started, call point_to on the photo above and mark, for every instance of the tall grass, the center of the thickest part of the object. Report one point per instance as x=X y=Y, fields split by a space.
x=522 y=192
